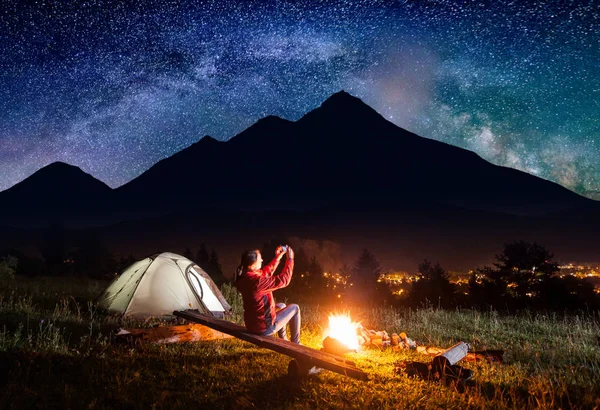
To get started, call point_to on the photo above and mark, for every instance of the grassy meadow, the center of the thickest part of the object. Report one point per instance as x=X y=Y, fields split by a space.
x=58 y=351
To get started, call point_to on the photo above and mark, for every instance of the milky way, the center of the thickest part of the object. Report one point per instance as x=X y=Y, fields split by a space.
x=114 y=87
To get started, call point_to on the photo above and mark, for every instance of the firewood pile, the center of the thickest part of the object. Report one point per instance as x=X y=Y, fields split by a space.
x=382 y=340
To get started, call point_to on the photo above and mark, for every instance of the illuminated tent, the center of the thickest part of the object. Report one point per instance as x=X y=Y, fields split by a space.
x=160 y=284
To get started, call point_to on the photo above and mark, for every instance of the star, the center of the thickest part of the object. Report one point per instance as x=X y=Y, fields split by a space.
x=113 y=88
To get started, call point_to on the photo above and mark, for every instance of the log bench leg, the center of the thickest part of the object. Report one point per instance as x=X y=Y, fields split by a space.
x=298 y=369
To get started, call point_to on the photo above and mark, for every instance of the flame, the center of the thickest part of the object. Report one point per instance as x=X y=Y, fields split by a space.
x=343 y=329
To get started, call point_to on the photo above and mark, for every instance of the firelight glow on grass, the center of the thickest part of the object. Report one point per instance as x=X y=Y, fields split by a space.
x=551 y=360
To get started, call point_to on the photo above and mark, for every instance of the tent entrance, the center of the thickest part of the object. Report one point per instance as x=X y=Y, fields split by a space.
x=202 y=289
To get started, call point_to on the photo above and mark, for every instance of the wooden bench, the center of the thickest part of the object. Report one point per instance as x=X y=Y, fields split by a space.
x=304 y=357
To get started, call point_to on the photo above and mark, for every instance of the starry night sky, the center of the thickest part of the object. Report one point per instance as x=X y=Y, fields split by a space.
x=113 y=87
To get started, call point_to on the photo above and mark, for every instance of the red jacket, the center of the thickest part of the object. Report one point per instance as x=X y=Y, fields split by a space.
x=256 y=287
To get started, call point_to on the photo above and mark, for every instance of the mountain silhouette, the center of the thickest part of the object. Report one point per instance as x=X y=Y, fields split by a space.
x=343 y=153
x=56 y=192
x=57 y=180
x=341 y=172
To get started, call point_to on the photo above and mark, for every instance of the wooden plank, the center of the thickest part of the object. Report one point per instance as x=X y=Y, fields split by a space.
x=308 y=356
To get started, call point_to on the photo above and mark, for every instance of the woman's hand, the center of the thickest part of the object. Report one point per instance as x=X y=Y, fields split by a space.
x=290 y=253
x=279 y=251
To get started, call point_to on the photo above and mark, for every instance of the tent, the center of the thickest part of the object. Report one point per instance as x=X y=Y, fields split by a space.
x=158 y=285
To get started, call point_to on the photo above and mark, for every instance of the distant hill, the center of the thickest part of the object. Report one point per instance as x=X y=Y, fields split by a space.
x=57 y=182
x=58 y=192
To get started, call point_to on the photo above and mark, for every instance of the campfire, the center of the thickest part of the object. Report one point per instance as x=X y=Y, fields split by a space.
x=341 y=336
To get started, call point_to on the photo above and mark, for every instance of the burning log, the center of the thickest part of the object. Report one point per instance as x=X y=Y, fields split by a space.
x=331 y=345
x=342 y=331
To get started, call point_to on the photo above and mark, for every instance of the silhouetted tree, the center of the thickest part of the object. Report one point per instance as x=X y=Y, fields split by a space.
x=315 y=282
x=214 y=268
x=301 y=269
x=365 y=275
x=346 y=271
x=189 y=254
x=523 y=277
x=568 y=293
x=341 y=288
x=432 y=287
x=489 y=288
x=8 y=267
x=202 y=256
x=525 y=266
x=27 y=265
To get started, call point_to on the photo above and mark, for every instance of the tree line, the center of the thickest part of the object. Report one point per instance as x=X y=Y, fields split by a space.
x=523 y=276
x=64 y=253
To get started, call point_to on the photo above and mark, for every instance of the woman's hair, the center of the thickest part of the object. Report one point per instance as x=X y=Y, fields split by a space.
x=248 y=259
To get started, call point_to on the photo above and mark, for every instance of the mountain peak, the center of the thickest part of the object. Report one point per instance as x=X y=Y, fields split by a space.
x=55 y=177
x=343 y=110
x=342 y=97
x=271 y=120
x=207 y=139
x=60 y=166
x=60 y=170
